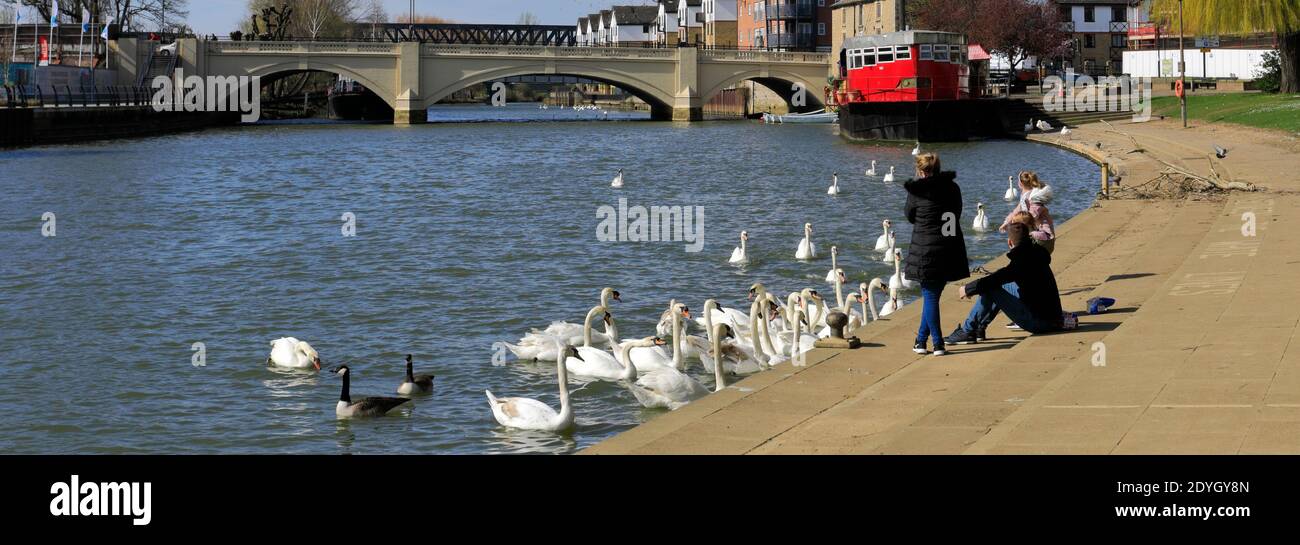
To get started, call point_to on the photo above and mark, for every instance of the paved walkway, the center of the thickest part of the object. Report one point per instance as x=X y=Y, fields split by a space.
x=1198 y=356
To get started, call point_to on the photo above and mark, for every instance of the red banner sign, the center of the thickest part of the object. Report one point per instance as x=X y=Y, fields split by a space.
x=45 y=51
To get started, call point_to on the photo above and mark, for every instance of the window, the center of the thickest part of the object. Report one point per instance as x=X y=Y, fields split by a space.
x=941 y=53
x=1117 y=41
x=645 y=29
x=927 y=52
x=1089 y=41
x=821 y=3
x=821 y=29
x=868 y=57
x=1118 y=14
x=884 y=55
x=1089 y=14
x=903 y=52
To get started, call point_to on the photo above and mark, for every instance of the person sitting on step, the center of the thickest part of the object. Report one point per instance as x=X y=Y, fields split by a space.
x=1036 y=304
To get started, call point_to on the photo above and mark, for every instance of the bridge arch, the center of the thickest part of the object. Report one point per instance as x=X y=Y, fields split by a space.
x=780 y=82
x=278 y=70
x=660 y=100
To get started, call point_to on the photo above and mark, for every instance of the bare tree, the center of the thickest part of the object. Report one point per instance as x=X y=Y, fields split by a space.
x=318 y=16
x=376 y=15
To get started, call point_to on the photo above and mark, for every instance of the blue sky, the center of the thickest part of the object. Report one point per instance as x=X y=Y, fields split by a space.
x=222 y=16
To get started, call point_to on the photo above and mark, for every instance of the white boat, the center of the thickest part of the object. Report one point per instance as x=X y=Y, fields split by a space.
x=819 y=116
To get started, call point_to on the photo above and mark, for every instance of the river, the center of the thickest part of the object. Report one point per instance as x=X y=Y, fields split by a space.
x=465 y=234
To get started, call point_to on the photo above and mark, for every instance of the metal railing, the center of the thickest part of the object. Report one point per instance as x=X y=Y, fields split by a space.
x=66 y=96
x=787 y=11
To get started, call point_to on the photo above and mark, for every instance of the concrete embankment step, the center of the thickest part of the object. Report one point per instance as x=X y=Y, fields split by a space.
x=885 y=399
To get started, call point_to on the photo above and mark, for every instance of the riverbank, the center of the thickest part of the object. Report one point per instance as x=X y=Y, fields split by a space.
x=20 y=127
x=1196 y=357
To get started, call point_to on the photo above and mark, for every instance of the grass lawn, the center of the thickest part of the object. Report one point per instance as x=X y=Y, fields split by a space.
x=1266 y=111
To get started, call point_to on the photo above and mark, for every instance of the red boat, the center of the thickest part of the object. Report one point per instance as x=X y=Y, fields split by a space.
x=911 y=85
x=909 y=66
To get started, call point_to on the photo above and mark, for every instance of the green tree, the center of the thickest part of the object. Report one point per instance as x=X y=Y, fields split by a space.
x=1205 y=17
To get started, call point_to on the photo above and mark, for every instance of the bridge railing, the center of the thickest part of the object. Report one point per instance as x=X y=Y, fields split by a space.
x=765 y=56
x=548 y=51
x=67 y=96
x=301 y=47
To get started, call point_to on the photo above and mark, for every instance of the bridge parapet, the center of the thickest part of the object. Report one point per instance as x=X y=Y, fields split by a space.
x=764 y=56
x=295 y=48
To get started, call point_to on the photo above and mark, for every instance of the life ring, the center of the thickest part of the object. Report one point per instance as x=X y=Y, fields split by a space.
x=1178 y=89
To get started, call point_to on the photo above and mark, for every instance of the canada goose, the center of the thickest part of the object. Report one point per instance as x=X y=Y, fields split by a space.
x=414 y=384
x=370 y=406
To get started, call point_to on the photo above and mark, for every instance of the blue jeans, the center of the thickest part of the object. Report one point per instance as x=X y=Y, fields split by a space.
x=990 y=311
x=931 y=325
x=1001 y=299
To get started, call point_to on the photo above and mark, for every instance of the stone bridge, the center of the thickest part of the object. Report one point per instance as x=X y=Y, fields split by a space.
x=410 y=77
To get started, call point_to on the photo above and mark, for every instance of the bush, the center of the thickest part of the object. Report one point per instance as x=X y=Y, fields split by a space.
x=1269 y=75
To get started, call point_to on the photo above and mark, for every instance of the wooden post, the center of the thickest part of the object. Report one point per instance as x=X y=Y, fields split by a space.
x=1105 y=180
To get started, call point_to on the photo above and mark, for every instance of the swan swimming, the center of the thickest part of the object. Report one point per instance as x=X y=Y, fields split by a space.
x=981 y=223
x=835 y=271
x=618 y=180
x=1011 y=190
x=294 y=354
x=666 y=387
x=917 y=150
x=529 y=414
x=889 y=176
x=807 y=250
x=834 y=189
x=739 y=255
x=872 y=171
x=370 y=406
x=882 y=242
x=899 y=281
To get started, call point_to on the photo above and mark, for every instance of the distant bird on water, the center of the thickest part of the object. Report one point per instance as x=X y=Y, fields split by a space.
x=618 y=180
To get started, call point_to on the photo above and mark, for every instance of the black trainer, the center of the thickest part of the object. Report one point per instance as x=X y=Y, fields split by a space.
x=919 y=348
x=961 y=336
x=981 y=334
x=939 y=351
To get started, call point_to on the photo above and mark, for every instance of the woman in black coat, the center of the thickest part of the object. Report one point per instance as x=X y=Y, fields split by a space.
x=937 y=254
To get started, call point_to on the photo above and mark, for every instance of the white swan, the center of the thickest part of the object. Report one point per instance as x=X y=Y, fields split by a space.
x=1011 y=190
x=539 y=345
x=593 y=362
x=882 y=242
x=796 y=341
x=739 y=254
x=1029 y=127
x=892 y=305
x=294 y=354
x=899 y=281
x=618 y=180
x=807 y=250
x=529 y=414
x=869 y=298
x=889 y=176
x=855 y=318
x=735 y=358
x=981 y=223
x=834 y=189
x=872 y=171
x=835 y=271
x=648 y=358
x=1065 y=131
x=666 y=387
x=1044 y=126
x=917 y=150
x=893 y=250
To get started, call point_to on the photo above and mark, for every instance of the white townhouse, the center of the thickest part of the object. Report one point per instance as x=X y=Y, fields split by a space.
x=633 y=25
x=690 y=21
x=665 y=30
x=603 y=30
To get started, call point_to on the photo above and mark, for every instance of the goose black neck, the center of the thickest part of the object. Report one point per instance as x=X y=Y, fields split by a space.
x=344 y=397
x=410 y=375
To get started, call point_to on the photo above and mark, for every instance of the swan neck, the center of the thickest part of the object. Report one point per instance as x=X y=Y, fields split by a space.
x=677 y=340
x=586 y=325
x=629 y=370
x=839 y=290
x=719 y=379
x=562 y=371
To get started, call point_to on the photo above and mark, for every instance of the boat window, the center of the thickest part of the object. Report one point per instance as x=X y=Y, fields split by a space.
x=884 y=55
x=903 y=52
x=941 y=53
x=927 y=52
x=868 y=57
x=856 y=58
